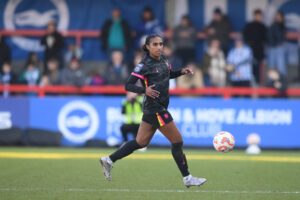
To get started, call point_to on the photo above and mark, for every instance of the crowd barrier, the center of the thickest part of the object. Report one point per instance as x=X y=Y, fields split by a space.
x=225 y=92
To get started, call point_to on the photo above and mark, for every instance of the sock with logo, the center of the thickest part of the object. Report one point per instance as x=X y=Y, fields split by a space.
x=180 y=158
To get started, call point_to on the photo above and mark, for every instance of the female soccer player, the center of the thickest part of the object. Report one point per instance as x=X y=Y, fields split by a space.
x=155 y=72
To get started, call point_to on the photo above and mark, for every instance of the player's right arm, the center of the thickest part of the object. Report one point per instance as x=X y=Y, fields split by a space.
x=131 y=86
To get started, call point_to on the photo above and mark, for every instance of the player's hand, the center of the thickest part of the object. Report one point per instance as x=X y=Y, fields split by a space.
x=152 y=93
x=187 y=70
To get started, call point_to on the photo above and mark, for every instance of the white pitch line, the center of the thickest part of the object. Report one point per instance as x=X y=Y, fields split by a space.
x=153 y=190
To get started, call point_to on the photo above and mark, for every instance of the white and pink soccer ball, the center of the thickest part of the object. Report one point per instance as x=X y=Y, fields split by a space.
x=224 y=141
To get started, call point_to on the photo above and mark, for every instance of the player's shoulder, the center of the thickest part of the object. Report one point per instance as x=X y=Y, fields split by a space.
x=142 y=66
x=138 y=68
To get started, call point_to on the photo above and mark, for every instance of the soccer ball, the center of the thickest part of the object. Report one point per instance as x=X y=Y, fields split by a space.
x=223 y=141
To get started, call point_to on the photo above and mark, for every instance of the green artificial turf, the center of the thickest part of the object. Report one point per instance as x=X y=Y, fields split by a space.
x=82 y=178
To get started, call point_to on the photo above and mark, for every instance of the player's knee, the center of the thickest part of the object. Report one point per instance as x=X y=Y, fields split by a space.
x=142 y=143
x=177 y=146
x=177 y=140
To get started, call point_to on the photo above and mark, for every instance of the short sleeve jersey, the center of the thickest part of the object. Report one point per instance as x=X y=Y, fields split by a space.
x=154 y=72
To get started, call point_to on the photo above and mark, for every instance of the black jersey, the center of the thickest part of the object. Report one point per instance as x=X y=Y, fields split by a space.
x=153 y=72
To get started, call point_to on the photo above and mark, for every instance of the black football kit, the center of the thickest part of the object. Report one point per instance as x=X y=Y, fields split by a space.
x=154 y=72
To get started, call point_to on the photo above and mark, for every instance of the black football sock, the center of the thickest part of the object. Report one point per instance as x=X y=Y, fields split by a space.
x=124 y=150
x=180 y=159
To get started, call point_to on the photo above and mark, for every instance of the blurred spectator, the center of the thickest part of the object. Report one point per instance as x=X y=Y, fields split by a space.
x=175 y=61
x=132 y=109
x=255 y=35
x=116 y=71
x=45 y=81
x=31 y=75
x=73 y=74
x=54 y=73
x=5 y=54
x=184 y=38
x=54 y=43
x=219 y=29
x=95 y=78
x=276 y=39
x=298 y=78
x=72 y=51
x=7 y=76
x=191 y=80
x=33 y=59
x=115 y=33
x=214 y=65
x=148 y=25
x=239 y=66
x=138 y=56
x=277 y=81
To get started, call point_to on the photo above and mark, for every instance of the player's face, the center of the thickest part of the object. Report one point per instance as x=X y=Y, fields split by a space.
x=155 y=47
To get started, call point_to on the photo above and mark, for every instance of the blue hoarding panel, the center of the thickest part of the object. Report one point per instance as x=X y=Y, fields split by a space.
x=79 y=119
x=198 y=119
x=274 y=120
x=14 y=112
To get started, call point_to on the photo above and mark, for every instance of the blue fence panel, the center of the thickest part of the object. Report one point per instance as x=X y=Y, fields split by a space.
x=14 y=112
x=198 y=119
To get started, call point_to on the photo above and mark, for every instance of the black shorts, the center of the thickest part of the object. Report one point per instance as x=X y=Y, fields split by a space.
x=158 y=119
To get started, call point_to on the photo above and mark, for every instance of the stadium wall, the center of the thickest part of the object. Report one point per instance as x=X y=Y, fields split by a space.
x=80 y=119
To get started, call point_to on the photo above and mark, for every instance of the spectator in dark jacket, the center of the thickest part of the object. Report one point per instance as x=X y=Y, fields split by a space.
x=276 y=39
x=255 y=36
x=5 y=55
x=33 y=59
x=277 y=81
x=184 y=38
x=219 y=29
x=298 y=78
x=7 y=77
x=115 y=33
x=174 y=60
x=54 y=43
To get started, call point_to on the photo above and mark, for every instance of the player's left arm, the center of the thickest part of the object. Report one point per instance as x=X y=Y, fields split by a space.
x=186 y=70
